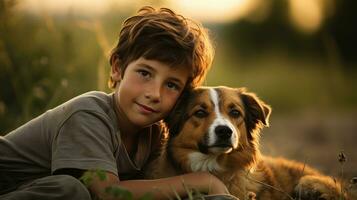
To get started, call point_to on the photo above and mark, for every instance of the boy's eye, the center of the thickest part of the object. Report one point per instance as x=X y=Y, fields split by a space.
x=143 y=73
x=173 y=86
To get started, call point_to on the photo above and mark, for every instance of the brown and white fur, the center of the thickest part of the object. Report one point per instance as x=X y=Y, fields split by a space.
x=217 y=129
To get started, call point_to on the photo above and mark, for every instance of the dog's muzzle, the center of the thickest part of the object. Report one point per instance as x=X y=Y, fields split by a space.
x=218 y=141
x=223 y=132
x=223 y=143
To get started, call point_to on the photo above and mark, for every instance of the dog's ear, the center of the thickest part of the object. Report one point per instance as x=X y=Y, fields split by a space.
x=177 y=116
x=257 y=113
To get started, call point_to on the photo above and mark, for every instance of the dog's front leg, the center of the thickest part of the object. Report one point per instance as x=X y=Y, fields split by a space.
x=312 y=187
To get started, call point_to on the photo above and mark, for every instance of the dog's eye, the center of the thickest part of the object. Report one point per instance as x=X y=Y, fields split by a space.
x=234 y=113
x=200 y=113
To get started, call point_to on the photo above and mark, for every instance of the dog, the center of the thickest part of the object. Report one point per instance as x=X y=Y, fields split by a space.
x=217 y=129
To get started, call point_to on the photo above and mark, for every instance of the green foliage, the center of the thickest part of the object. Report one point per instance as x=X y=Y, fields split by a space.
x=121 y=193
x=41 y=60
x=118 y=192
x=88 y=176
x=114 y=190
x=146 y=196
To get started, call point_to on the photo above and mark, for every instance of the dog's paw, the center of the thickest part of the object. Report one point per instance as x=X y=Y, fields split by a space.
x=215 y=197
x=251 y=196
x=310 y=194
x=317 y=188
x=352 y=189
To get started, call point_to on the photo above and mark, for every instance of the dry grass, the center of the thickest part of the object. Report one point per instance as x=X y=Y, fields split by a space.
x=324 y=141
x=314 y=138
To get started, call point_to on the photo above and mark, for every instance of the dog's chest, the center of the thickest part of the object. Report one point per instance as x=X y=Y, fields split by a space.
x=204 y=162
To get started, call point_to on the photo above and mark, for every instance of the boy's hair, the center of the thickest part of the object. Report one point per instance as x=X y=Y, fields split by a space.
x=167 y=37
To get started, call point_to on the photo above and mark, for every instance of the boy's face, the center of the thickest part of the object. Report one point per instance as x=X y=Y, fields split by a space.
x=148 y=90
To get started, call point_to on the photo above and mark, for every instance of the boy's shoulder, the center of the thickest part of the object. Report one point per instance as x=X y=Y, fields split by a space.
x=93 y=101
x=89 y=99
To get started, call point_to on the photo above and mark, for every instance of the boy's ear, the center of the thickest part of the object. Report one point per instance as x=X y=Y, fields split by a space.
x=116 y=72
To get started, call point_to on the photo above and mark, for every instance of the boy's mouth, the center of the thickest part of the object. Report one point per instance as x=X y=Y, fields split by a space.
x=147 y=108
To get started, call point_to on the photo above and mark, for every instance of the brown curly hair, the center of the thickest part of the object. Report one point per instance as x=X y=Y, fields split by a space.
x=167 y=37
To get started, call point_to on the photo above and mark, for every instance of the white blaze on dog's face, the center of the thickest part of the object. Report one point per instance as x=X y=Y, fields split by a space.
x=212 y=124
x=222 y=135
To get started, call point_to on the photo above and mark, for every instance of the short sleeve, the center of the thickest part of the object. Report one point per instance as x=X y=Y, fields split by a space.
x=85 y=141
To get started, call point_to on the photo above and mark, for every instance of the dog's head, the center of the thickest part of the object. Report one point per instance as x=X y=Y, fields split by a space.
x=214 y=128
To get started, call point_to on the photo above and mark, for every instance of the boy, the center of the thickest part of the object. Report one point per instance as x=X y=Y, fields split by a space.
x=159 y=55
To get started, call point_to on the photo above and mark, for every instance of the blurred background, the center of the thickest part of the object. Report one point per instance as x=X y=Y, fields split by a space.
x=299 y=56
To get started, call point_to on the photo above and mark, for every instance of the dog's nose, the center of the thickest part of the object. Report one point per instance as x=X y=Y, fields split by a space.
x=223 y=132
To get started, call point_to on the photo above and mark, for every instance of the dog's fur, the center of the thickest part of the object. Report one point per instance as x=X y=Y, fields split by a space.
x=217 y=130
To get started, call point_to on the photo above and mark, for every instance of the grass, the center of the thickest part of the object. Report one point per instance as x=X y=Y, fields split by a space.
x=121 y=193
x=67 y=56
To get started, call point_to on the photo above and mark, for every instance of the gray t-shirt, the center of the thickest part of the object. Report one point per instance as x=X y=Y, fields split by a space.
x=82 y=133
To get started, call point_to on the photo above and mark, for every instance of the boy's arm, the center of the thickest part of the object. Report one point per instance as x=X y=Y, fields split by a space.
x=164 y=188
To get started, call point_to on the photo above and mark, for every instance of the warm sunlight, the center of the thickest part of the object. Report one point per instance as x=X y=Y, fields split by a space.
x=63 y=6
x=202 y=10
x=216 y=10
x=307 y=15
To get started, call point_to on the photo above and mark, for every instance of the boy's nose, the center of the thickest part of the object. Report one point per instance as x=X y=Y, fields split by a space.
x=153 y=93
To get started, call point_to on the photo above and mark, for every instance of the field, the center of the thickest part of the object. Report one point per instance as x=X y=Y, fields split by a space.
x=315 y=140
x=310 y=80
